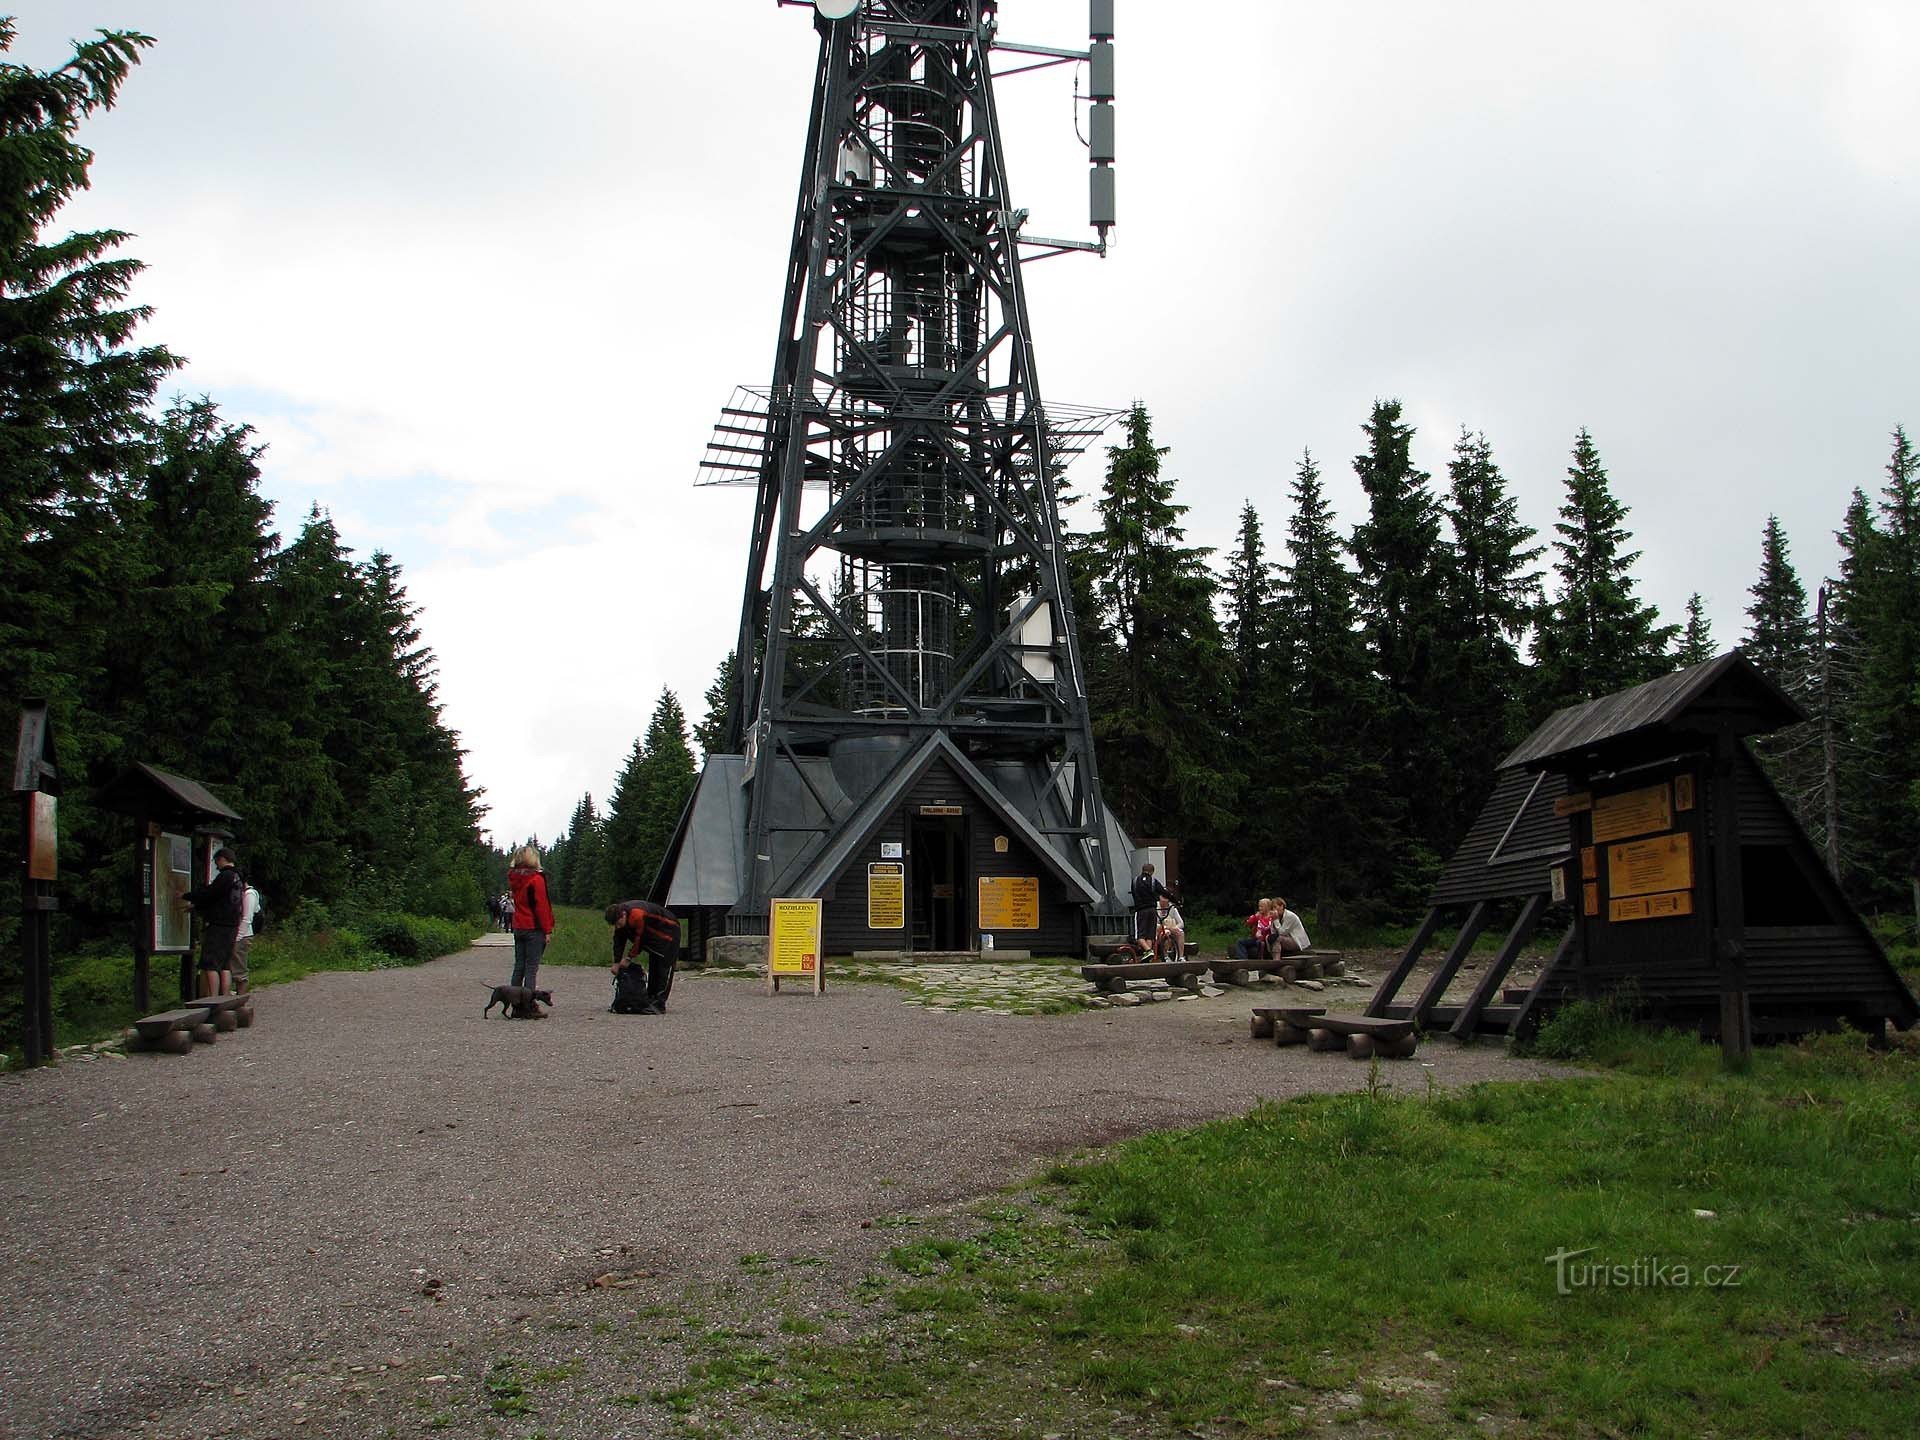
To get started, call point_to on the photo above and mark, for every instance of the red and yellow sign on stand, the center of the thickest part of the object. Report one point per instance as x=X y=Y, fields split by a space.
x=794 y=948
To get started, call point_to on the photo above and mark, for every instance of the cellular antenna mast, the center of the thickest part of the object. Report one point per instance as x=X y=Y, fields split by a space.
x=911 y=693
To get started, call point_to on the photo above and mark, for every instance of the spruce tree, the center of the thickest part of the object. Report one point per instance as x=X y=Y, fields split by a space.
x=715 y=729
x=1402 y=568
x=1491 y=601
x=1885 y=609
x=1596 y=636
x=1249 y=595
x=1332 y=825
x=582 y=882
x=1696 y=638
x=1779 y=635
x=1157 y=707
x=647 y=801
x=74 y=433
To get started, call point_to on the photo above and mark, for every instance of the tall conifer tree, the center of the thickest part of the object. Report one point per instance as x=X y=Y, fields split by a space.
x=1331 y=821
x=1696 y=637
x=1157 y=709
x=1401 y=564
x=1596 y=637
x=1491 y=600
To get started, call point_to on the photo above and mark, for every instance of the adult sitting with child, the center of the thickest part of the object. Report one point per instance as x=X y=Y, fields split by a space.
x=1289 y=935
x=1276 y=930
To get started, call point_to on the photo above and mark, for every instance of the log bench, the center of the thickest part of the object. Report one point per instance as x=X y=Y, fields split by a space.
x=1361 y=1036
x=1112 y=979
x=176 y=1031
x=1303 y=965
x=228 y=1012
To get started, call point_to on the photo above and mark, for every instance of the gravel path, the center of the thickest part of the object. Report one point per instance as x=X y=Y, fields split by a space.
x=374 y=1176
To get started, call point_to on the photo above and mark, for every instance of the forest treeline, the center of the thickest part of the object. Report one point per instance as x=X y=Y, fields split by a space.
x=1322 y=713
x=147 y=595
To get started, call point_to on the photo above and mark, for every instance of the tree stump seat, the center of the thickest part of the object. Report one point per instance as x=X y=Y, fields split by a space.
x=1301 y=965
x=1112 y=979
x=1361 y=1036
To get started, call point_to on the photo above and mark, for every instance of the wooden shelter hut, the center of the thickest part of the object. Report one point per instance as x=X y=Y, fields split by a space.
x=1693 y=891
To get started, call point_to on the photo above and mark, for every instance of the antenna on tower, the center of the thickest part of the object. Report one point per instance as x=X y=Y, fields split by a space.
x=1100 y=193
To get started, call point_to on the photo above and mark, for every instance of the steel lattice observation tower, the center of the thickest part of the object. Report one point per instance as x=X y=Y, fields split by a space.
x=911 y=734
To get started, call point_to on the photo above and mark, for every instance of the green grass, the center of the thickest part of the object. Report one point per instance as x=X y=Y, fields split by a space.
x=1385 y=1260
x=581 y=937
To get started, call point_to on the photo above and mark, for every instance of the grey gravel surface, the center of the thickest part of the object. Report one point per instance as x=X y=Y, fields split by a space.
x=327 y=1222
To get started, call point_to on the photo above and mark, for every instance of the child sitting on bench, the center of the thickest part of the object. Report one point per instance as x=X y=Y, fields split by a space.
x=1170 y=937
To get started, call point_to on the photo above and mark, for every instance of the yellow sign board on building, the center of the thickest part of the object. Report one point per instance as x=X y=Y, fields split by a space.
x=793 y=943
x=1009 y=902
x=1651 y=907
x=886 y=895
x=1647 y=867
x=1632 y=812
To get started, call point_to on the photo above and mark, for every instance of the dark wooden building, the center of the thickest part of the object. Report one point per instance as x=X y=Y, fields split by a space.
x=1687 y=885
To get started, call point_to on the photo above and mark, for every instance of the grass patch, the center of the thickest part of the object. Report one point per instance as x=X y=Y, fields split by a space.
x=581 y=937
x=1388 y=1261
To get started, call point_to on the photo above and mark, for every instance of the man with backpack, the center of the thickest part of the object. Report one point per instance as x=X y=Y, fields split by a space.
x=221 y=904
x=640 y=926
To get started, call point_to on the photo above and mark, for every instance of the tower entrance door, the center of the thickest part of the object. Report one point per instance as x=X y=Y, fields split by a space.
x=941 y=883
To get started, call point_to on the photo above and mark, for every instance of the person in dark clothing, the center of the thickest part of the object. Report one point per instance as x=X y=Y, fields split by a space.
x=1147 y=891
x=532 y=916
x=220 y=902
x=640 y=926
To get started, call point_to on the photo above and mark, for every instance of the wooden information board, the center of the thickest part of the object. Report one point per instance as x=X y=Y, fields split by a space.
x=1009 y=902
x=886 y=895
x=1632 y=812
x=793 y=943
x=1651 y=907
x=1647 y=867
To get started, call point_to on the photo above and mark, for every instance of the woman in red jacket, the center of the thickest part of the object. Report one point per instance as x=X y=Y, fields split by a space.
x=532 y=915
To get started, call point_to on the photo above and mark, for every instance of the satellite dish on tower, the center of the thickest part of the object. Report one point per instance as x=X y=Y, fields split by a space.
x=836 y=9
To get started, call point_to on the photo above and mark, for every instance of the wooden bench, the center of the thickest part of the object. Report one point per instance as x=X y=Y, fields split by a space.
x=1112 y=979
x=1361 y=1036
x=228 y=1012
x=175 y=1031
x=1304 y=965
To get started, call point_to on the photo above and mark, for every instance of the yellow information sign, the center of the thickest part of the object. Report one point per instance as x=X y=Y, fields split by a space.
x=1632 y=812
x=887 y=895
x=1651 y=907
x=793 y=943
x=1646 y=867
x=1009 y=902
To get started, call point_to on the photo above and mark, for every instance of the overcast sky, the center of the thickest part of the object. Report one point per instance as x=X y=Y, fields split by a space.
x=481 y=276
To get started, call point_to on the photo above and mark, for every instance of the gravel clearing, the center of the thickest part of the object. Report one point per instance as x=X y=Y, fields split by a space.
x=335 y=1222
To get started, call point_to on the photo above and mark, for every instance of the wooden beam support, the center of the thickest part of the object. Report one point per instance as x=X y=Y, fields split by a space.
x=1390 y=986
x=1470 y=929
x=1523 y=1022
x=1489 y=986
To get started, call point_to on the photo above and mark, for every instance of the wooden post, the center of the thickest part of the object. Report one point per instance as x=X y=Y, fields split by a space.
x=1729 y=907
